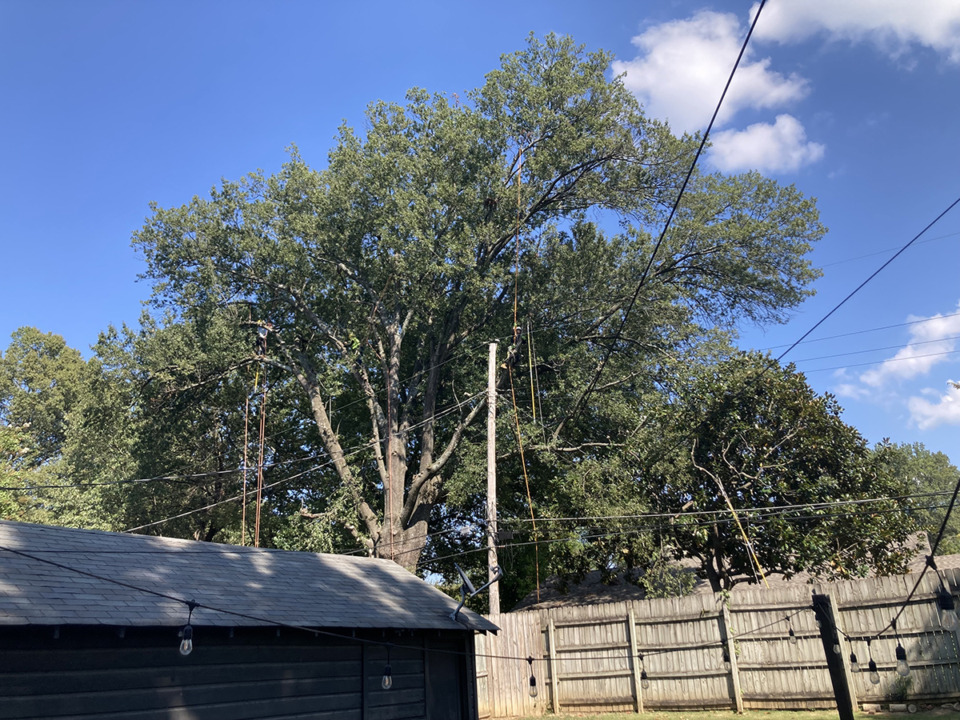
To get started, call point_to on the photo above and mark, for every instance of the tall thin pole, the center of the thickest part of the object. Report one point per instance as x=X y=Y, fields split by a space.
x=492 y=478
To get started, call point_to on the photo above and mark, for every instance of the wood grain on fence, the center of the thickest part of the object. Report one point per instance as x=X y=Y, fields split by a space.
x=588 y=657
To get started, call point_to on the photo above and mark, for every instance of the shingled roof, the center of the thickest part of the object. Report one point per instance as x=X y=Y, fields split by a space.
x=63 y=576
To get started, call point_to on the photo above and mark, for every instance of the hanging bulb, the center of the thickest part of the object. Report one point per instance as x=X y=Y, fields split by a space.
x=854 y=665
x=186 y=642
x=874 y=675
x=792 y=637
x=948 y=612
x=644 y=680
x=903 y=668
x=387 y=681
x=533 y=686
x=186 y=635
x=727 y=665
x=836 y=648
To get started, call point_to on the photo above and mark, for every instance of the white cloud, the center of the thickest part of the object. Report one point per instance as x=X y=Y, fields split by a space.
x=945 y=411
x=780 y=147
x=892 y=25
x=684 y=64
x=929 y=341
x=850 y=390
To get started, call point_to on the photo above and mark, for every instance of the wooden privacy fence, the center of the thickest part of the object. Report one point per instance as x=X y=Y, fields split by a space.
x=586 y=658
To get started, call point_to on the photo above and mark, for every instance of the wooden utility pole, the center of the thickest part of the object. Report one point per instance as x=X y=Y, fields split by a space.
x=492 y=478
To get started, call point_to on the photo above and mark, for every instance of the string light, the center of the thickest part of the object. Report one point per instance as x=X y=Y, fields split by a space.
x=186 y=634
x=533 y=679
x=872 y=665
x=854 y=665
x=791 y=635
x=948 y=613
x=386 y=682
x=644 y=680
x=727 y=665
x=903 y=667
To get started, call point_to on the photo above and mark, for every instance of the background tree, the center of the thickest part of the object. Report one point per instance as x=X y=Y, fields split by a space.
x=922 y=472
x=40 y=382
x=384 y=276
x=755 y=431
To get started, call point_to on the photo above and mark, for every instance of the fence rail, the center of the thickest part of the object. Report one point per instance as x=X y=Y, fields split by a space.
x=587 y=658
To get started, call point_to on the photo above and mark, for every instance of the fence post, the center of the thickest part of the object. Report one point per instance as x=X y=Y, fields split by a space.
x=732 y=653
x=637 y=688
x=844 y=656
x=554 y=680
x=839 y=670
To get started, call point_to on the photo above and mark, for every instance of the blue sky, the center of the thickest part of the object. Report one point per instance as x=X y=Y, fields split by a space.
x=108 y=106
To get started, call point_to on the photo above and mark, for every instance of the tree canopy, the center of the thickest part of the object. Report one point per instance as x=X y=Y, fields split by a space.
x=931 y=478
x=750 y=434
x=448 y=223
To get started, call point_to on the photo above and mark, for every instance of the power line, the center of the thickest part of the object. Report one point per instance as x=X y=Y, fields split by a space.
x=359 y=449
x=157 y=478
x=192 y=603
x=800 y=506
x=871 y=277
x=637 y=529
x=228 y=500
x=881 y=349
x=892 y=625
x=868 y=330
x=881 y=362
x=666 y=225
x=886 y=250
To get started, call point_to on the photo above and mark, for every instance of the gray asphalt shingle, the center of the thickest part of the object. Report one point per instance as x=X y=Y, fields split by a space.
x=292 y=588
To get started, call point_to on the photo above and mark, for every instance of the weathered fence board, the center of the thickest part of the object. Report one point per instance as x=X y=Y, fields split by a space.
x=589 y=657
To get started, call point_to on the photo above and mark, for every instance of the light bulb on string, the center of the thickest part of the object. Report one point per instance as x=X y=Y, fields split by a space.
x=186 y=633
x=533 y=679
x=836 y=646
x=872 y=665
x=854 y=665
x=903 y=667
x=386 y=682
x=947 y=608
x=791 y=635
x=727 y=665
x=644 y=680
x=186 y=640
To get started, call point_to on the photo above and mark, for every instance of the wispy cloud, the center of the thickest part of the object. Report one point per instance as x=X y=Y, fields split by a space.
x=851 y=390
x=944 y=411
x=782 y=146
x=893 y=26
x=929 y=341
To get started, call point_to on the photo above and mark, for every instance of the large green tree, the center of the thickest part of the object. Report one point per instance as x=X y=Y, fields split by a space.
x=450 y=223
x=41 y=378
x=751 y=434
x=931 y=477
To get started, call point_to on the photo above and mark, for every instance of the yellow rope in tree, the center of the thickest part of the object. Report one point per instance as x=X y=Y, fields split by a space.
x=750 y=550
x=246 y=442
x=513 y=394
